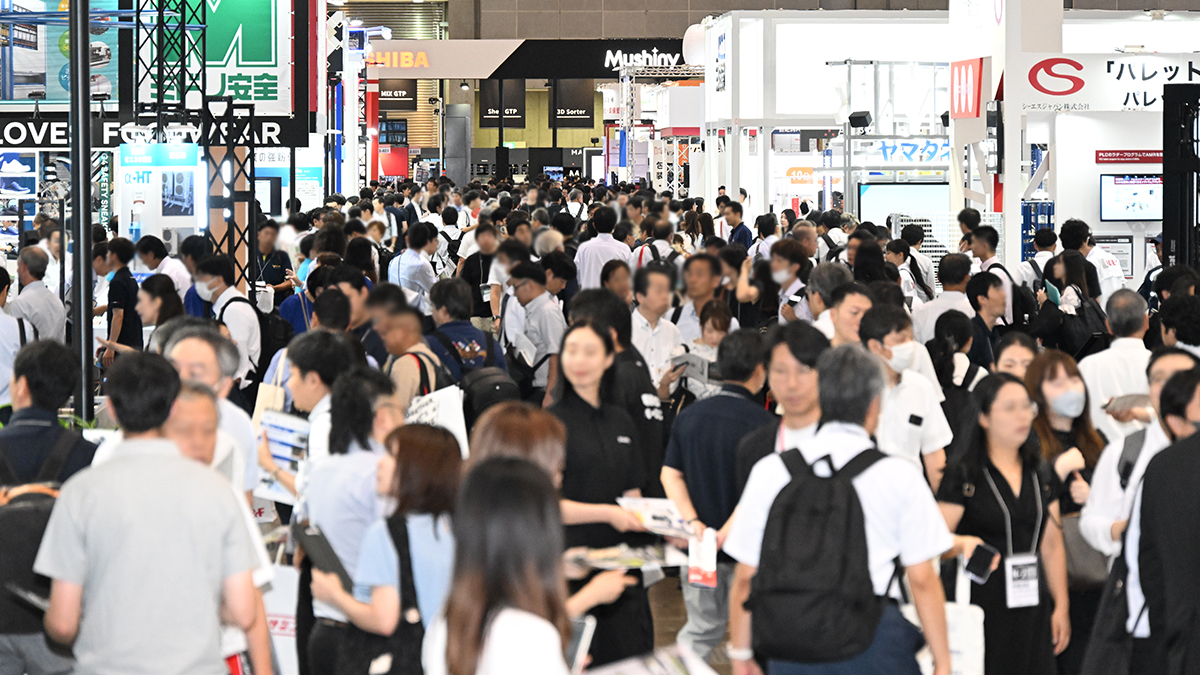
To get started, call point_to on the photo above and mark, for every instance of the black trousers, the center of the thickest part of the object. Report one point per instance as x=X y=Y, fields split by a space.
x=623 y=629
x=324 y=645
x=304 y=616
x=1148 y=657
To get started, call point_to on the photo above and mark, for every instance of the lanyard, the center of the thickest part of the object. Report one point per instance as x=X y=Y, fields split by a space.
x=1037 y=495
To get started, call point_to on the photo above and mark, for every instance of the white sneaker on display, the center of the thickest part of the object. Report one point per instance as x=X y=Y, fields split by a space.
x=14 y=166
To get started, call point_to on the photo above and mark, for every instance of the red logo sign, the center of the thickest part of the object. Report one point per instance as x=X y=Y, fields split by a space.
x=1129 y=157
x=965 y=88
x=1047 y=67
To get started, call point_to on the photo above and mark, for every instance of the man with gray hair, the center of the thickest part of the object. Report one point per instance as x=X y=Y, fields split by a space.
x=1120 y=369
x=36 y=303
x=825 y=278
x=901 y=520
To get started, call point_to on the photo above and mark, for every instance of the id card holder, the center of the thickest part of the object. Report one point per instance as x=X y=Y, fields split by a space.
x=1021 y=580
x=485 y=290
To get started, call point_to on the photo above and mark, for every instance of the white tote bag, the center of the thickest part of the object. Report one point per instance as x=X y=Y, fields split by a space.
x=280 y=602
x=964 y=625
x=442 y=408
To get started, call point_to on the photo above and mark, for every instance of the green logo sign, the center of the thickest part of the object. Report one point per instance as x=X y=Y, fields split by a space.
x=241 y=33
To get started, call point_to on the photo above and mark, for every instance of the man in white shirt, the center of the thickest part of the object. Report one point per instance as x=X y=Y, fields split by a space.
x=544 y=327
x=915 y=236
x=768 y=234
x=51 y=243
x=824 y=280
x=447 y=231
x=595 y=252
x=1112 y=277
x=653 y=335
x=1120 y=369
x=153 y=255
x=900 y=516
x=1044 y=243
x=984 y=241
x=830 y=234
x=954 y=272
x=575 y=206
x=911 y=422
x=657 y=249
x=702 y=278
x=413 y=269
x=214 y=283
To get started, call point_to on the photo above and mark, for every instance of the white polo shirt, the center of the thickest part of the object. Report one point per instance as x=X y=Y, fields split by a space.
x=901 y=517
x=911 y=422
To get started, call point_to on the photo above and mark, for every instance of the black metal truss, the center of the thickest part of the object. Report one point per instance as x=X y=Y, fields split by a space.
x=230 y=126
x=1181 y=174
x=170 y=60
x=363 y=141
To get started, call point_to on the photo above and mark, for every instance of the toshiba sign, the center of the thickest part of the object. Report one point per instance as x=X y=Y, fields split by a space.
x=965 y=88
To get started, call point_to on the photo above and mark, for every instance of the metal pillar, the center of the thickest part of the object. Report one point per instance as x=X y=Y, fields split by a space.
x=231 y=128
x=81 y=198
x=1181 y=174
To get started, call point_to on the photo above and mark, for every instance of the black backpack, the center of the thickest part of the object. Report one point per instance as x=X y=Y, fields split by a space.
x=667 y=265
x=1024 y=300
x=834 y=249
x=483 y=386
x=275 y=332
x=958 y=405
x=24 y=512
x=519 y=369
x=1086 y=332
x=812 y=599
x=452 y=246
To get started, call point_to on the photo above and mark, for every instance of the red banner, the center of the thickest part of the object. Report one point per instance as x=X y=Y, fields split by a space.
x=1129 y=156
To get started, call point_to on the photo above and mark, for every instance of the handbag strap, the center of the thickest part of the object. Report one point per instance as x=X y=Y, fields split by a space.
x=398 y=528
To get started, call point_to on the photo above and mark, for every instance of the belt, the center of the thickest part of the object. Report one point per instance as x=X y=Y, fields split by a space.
x=332 y=623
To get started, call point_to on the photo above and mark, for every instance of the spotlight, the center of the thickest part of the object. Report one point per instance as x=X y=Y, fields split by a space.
x=464 y=86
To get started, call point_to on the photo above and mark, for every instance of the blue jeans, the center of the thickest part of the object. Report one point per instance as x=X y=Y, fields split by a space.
x=893 y=652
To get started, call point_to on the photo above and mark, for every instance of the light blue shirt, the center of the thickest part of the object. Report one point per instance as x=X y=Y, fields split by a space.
x=431 y=547
x=412 y=270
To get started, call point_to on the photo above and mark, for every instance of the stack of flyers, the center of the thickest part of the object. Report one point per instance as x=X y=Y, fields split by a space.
x=674 y=660
x=625 y=556
x=660 y=516
x=287 y=438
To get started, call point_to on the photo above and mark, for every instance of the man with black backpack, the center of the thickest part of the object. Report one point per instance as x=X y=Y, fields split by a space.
x=459 y=345
x=822 y=534
x=215 y=284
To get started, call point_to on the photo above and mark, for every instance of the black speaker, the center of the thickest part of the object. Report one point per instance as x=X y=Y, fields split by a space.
x=946 y=119
x=860 y=120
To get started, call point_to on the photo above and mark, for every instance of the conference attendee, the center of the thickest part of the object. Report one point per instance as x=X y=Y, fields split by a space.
x=124 y=323
x=1000 y=491
x=338 y=496
x=1121 y=369
x=901 y=522
x=1073 y=235
x=738 y=232
x=848 y=304
x=544 y=327
x=35 y=303
x=788 y=261
x=985 y=292
x=299 y=308
x=855 y=241
x=603 y=463
x=1179 y=319
x=1162 y=569
x=351 y=282
x=273 y=264
x=203 y=355
x=824 y=280
x=1065 y=273
x=1119 y=471
x=984 y=242
x=658 y=249
x=410 y=359
x=1112 y=276
x=157 y=303
x=699 y=475
x=137 y=589
x=911 y=423
x=1032 y=272
x=50 y=240
x=506 y=310
x=413 y=269
x=1153 y=269
x=767 y=234
x=912 y=279
x=152 y=253
x=716 y=322
x=653 y=335
x=954 y=271
x=616 y=277
x=507 y=601
x=474 y=271
x=215 y=284
x=702 y=279
x=914 y=236
x=1014 y=352
x=192 y=250
x=459 y=345
x=596 y=252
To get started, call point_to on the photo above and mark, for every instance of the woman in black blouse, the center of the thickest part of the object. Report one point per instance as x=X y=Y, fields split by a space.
x=1000 y=491
x=603 y=463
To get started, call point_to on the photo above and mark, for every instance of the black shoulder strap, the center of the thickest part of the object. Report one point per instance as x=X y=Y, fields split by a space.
x=1000 y=267
x=794 y=461
x=21 y=330
x=53 y=466
x=654 y=251
x=490 y=359
x=1129 y=455
x=969 y=377
x=1037 y=269
x=8 y=475
x=676 y=314
x=860 y=463
x=424 y=386
x=398 y=528
x=828 y=241
x=236 y=298
x=448 y=345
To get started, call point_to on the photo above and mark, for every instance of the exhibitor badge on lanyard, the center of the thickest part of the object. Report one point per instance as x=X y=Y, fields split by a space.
x=1020 y=571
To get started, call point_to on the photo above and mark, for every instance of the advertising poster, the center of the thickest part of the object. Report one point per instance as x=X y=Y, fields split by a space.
x=489 y=104
x=41 y=54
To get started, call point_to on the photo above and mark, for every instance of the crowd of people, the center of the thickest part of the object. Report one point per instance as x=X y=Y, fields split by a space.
x=856 y=424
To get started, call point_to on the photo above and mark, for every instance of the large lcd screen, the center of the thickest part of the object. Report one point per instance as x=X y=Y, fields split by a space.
x=876 y=201
x=1131 y=197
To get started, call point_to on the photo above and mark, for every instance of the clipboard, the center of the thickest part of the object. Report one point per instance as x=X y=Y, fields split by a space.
x=318 y=549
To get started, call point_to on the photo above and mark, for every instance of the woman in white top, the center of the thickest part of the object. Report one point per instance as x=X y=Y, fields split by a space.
x=715 y=320
x=912 y=281
x=689 y=229
x=507 y=606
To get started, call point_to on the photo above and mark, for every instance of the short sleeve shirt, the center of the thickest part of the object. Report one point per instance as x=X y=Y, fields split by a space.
x=545 y=327
x=122 y=294
x=431 y=548
x=911 y=421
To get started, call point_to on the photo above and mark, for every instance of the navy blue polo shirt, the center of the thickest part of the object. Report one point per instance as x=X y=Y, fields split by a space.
x=703 y=446
x=29 y=437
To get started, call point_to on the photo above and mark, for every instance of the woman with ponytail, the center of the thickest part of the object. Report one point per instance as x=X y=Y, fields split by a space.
x=952 y=337
x=912 y=280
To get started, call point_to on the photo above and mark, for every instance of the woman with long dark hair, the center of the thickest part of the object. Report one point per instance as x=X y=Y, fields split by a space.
x=869 y=263
x=507 y=605
x=689 y=229
x=912 y=281
x=707 y=227
x=157 y=303
x=604 y=461
x=999 y=491
x=953 y=335
x=404 y=563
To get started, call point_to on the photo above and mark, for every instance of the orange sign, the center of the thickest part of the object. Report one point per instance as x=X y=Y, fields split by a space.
x=398 y=59
x=800 y=175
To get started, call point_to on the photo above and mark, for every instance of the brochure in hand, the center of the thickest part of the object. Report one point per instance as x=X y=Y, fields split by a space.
x=660 y=516
x=287 y=437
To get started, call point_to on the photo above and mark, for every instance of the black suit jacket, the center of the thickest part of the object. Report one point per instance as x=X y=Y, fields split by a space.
x=1169 y=554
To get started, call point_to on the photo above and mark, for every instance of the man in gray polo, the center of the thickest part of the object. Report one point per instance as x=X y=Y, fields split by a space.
x=36 y=303
x=148 y=554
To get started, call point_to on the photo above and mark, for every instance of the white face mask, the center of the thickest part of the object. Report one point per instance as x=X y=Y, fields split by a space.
x=781 y=276
x=204 y=292
x=902 y=356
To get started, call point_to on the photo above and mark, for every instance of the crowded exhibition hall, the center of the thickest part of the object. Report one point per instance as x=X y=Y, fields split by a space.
x=618 y=337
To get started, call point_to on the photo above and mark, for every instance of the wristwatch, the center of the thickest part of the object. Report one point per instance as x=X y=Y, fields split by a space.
x=736 y=654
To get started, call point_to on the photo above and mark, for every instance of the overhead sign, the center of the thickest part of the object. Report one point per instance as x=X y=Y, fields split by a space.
x=517 y=59
x=248 y=55
x=397 y=94
x=575 y=104
x=965 y=84
x=1095 y=82
x=1129 y=156
x=490 y=104
x=52 y=131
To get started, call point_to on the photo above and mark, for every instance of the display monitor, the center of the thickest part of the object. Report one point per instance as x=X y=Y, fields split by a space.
x=1126 y=197
x=554 y=173
x=876 y=201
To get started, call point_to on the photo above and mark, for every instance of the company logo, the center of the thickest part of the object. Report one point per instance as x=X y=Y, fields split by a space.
x=800 y=175
x=398 y=59
x=965 y=88
x=1047 y=67
x=395 y=93
x=616 y=60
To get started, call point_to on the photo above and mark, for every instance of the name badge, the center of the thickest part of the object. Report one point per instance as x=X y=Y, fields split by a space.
x=1021 y=580
x=486 y=291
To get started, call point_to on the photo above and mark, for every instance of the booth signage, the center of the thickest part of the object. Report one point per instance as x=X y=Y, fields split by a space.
x=397 y=94
x=1129 y=156
x=52 y=131
x=1096 y=82
x=965 y=86
x=575 y=103
x=102 y=179
x=490 y=104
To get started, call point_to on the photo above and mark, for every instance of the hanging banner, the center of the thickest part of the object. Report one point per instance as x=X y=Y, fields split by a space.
x=489 y=104
x=397 y=94
x=102 y=185
x=575 y=104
